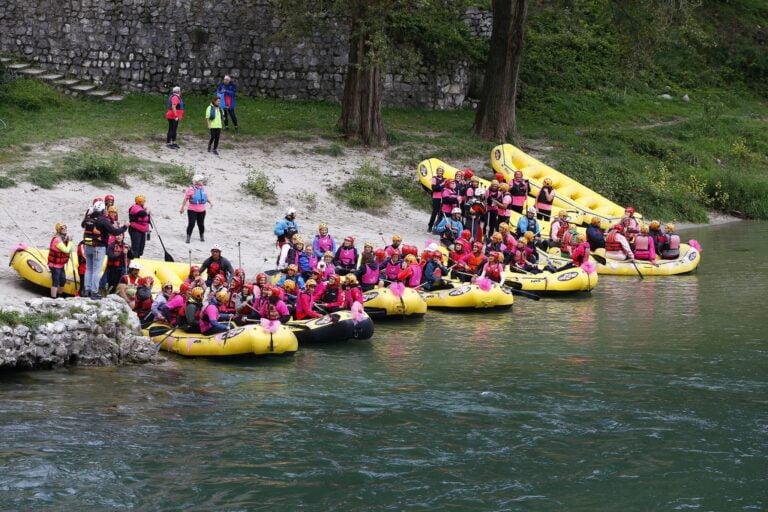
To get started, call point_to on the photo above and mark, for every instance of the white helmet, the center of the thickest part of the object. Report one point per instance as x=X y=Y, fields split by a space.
x=531 y=209
x=198 y=177
x=455 y=210
x=134 y=265
x=216 y=247
x=432 y=247
x=98 y=206
x=290 y=211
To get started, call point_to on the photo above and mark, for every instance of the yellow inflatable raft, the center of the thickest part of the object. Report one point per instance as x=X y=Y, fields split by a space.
x=428 y=169
x=339 y=326
x=688 y=261
x=465 y=296
x=545 y=283
x=381 y=303
x=238 y=341
x=581 y=202
x=31 y=264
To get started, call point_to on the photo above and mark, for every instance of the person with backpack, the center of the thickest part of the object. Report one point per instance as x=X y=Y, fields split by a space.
x=195 y=199
x=96 y=230
x=213 y=117
x=174 y=114
x=226 y=93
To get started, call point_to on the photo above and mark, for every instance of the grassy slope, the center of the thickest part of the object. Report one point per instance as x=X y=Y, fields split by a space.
x=601 y=116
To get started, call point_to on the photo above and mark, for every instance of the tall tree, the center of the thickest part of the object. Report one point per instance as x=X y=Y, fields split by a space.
x=496 y=114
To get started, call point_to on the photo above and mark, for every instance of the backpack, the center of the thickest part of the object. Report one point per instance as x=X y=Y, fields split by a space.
x=199 y=196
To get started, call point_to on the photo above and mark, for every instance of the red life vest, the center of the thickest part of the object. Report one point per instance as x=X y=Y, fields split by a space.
x=352 y=295
x=304 y=303
x=521 y=258
x=568 y=242
x=611 y=244
x=56 y=257
x=580 y=254
x=474 y=261
x=493 y=271
x=91 y=234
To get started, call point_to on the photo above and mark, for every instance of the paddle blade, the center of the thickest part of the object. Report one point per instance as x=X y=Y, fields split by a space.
x=169 y=258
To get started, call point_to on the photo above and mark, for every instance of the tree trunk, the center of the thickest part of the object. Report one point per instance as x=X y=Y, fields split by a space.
x=361 y=103
x=495 y=119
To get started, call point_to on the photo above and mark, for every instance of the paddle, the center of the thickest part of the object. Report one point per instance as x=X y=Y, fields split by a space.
x=637 y=269
x=160 y=343
x=514 y=291
x=599 y=259
x=239 y=256
x=167 y=255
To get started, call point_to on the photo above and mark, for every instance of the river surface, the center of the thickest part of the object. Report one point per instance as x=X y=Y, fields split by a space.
x=646 y=395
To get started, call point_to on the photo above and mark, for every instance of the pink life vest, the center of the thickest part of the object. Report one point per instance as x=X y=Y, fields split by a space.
x=506 y=200
x=347 y=255
x=371 y=274
x=141 y=224
x=415 y=278
x=580 y=254
x=642 y=243
x=437 y=183
x=519 y=191
x=491 y=197
x=541 y=200
x=493 y=271
x=391 y=270
x=324 y=243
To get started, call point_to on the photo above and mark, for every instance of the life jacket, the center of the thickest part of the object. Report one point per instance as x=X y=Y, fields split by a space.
x=140 y=223
x=324 y=243
x=56 y=257
x=542 y=203
x=456 y=257
x=391 y=270
x=116 y=262
x=199 y=196
x=642 y=243
x=293 y=256
x=389 y=250
x=352 y=295
x=91 y=234
x=580 y=254
x=612 y=244
x=371 y=274
x=520 y=258
x=180 y=106
x=568 y=242
x=519 y=191
x=450 y=199
x=347 y=256
x=474 y=261
x=143 y=293
x=671 y=247
x=493 y=271
x=302 y=309
x=415 y=278
x=437 y=187
x=530 y=224
x=491 y=196
x=204 y=322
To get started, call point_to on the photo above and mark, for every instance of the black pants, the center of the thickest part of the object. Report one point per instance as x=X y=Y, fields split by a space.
x=113 y=276
x=229 y=112
x=215 y=133
x=493 y=223
x=138 y=239
x=195 y=217
x=437 y=204
x=173 y=125
x=544 y=214
x=518 y=209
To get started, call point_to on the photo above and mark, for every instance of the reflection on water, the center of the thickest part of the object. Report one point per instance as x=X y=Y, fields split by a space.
x=647 y=393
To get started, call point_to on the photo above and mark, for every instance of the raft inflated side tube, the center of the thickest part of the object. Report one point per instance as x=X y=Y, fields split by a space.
x=339 y=326
x=238 y=341
x=380 y=303
x=570 y=195
x=572 y=280
x=466 y=296
x=31 y=264
x=688 y=261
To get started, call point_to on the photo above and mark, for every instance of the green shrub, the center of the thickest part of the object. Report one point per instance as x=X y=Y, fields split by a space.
x=175 y=174
x=87 y=165
x=6 y=182
x=44 y=177
x=30 y=95
x=334 y=150
x=409 y=188
x=366 y=190
x=258 y=184
x=32 y=320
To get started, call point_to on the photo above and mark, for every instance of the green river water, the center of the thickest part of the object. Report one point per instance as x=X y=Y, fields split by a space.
x=647 y=395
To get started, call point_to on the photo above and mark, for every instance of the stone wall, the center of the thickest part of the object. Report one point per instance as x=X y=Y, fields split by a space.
x=84 y=332
x=152 y=45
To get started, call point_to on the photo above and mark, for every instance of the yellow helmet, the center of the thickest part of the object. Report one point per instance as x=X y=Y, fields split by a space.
x=322 y=226
x=547 y=182
x=60 y=226
x=167 y=284
x=504 y=225
x=644 y=229
x=410 y=258
x=351 y=279
x=112 y=209
x=581 y=237
x=289 y=285
x=504 y=187
x=297 y=240
x=222 y=295
x=310 y=282
x=670 y=226
x=197 y=292
x=494 y=182
x=562 y=214
x=327 y=254
x=655 y=224
x=595 y=221
x=528 y=235
x=140 y=199
x=397 y=238
x=293 y=267
x=496 y=237
x=368 y=243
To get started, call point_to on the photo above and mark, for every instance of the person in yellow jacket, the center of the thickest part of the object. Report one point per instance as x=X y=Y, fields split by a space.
x=213 y=117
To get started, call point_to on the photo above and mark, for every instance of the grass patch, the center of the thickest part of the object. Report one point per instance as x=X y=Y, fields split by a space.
x=6 y=182
x=45 y=177
x=174 y=174
x=409 y=188
x=30 y=95
x=88 y=165
x=334 y=150
x=307 y=199
x=258 y=184
x=366 y=190
x=32 y=320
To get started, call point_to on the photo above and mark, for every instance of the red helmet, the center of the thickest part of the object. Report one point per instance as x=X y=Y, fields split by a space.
x=109 y=197
x=239 y=272
x=349 y=239
x=477 y=245
x=261 y=275
x=247 y=289
x=235 y=284
x=499 y=177
x=380 y=254
x=410 y=249
x=630 y=210
x=448 y=182
x=468 y=173
x=619 y=228
x=466 y=235
x=96 y=200
x=184 y=288
x=437 y=254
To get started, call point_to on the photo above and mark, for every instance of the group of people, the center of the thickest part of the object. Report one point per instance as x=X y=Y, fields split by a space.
x=631 y=240
x=217 y=114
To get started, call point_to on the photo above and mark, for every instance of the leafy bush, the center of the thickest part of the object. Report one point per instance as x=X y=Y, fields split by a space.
x=366 y=190
x=33 y=321
x=44 y=177
x=175 y=174
x=30 y=95
x=6 y=182
x=87 y=165
x=258 y=184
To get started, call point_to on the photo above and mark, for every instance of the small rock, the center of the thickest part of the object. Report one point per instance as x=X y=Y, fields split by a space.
x=664 y=96
x=686 y=98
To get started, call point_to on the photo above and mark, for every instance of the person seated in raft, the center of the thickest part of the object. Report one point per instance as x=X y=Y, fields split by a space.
x=495 y=244
x=579 y=254
x=411 y=274
x=305 y=302
x=506 y=236
x=291 y=274
x=329 y=295
x=217 y=284
x=272 y=306
x=569 y=241
x=450 y=228
x=345 y=260
x=595 y=235
x=670 y=250
x=326 y=266
x=159 y=308
x=631 y=226
x=395 y=246
x=289 y=287
x=644 y=246
x=211 y=315
x=368 y=273
x=352 y=292
x=307 y=262
x=529 y=223
x=657 y=235
x=617 y=245
x=474 y=263
x=390 y=267
x=557 y=228
x=367 y=250
x=177 y=303
x=544 y=200
x=522 y=259
x=129 y=281
x=434 y=272
x=494 y=269
x=144 y=301
x=323 y=242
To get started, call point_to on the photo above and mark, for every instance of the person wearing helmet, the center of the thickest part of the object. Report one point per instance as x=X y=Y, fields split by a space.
x=670 y=249
x=367 y=250
x=143 y=301
x=292 y=274
x=529 y=223
x=450 y=198
x=96 y=231
x=193 y=278
x=557 y=229
x=522 y=259
x=273 y=307
x=346 y=257
x=159 y=308
x=395 y=246
x=307 y=261
x=617 y=245
x=323 y=241
x=286 y=227
x=493 y=199
x=475 y=212
x=434 y=274
x=631 y=226
x=579 y=253
x=390 y=268
x=109 y=200
x=368 y=273
x=569 y=241
x=411 y=274
x=176 y=304
x=220 y=261
x=595 y=235
x=544 y=200
x=457 y=258
x=139 y=217
x=350 y=287
x=189 y=319
x=326 y=266
x=494 y=267
x=117 y=262
x=474 y=262
x=658 y=236
x=519 y=188
x=437 y=197
x=195 y=200
x=462 y=184
x=295 y=249
x=644 y=246
x=502 y=206
x=495 y=244
x=506 y=236
x=112 y=216
x=305 y=302
x=449 y=229
x=211 y=315
x=379 y=255
x=59 y=250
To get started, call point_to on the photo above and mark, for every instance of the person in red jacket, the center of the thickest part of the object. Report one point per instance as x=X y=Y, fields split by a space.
x=331 y=296
x=579 y=254
x=59 y=250
x=352 y=291
x=305 y=302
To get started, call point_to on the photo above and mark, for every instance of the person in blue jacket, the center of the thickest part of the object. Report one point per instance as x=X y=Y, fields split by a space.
x=595 y=235
x=286 y=227
x=431 y=278
x=449 y=229
x=226 y=93
x=529 y=223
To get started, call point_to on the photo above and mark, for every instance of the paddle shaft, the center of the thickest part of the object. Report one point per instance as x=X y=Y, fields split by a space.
x=167 y=256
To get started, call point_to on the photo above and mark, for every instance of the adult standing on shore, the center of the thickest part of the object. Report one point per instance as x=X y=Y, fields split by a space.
x=213 y=118
x=226 y=92
x=96 y=230
x=139 y=216
x=195 y=199
x=174 y=114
